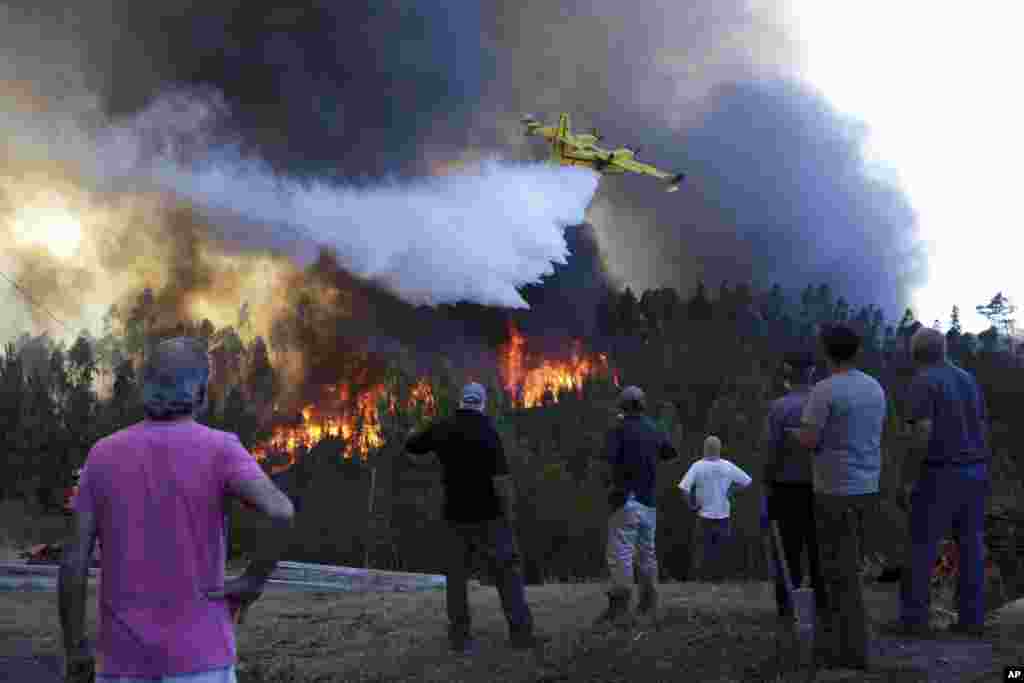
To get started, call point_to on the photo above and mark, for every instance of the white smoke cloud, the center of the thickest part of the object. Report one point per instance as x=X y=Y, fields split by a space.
x=472 y=235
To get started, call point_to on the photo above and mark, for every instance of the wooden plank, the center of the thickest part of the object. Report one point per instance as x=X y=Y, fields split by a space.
x=297 y=575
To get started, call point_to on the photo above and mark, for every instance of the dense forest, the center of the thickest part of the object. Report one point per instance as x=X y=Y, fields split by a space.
x=709 y=363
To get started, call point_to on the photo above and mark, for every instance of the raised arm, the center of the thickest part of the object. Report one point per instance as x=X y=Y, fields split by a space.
x=421 y=448
x=504 y=485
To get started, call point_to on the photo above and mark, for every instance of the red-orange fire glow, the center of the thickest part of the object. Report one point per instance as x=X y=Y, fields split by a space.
x=530 y=385
x=352 y=418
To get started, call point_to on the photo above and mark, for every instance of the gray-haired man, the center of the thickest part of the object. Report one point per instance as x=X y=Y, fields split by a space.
x=948 y=484
x=479 y=507
x=154 y=495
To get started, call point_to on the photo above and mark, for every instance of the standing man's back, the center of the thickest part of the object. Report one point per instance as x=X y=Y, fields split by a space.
x=154 y=496
x=949 y=482
x=842 y=425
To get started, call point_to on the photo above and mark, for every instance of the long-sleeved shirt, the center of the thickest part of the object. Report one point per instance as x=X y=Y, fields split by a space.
x=633 y=449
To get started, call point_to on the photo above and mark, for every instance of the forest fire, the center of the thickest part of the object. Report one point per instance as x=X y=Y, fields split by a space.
x=353 y=418
x=532 y=386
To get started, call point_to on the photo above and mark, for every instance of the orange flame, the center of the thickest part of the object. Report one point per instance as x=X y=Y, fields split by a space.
x=356 y=420
x=531 y=387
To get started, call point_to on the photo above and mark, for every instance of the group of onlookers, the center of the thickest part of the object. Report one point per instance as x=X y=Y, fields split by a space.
x=154 y=494
x=821 y=452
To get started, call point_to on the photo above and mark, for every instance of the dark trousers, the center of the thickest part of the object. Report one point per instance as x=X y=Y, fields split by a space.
x=792 y=506
x=943 y=499
x=710 y=539
x=494 y=540
x=842 y=522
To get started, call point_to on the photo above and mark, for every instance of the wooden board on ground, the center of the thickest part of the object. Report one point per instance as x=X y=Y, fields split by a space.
x=288 y=576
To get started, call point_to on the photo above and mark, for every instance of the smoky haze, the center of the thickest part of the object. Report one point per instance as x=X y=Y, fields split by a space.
x=355 y=92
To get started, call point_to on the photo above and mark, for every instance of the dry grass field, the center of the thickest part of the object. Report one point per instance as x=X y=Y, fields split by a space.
x=708 y=633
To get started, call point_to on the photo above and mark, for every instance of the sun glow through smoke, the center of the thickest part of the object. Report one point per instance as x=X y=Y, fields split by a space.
x=48 y=225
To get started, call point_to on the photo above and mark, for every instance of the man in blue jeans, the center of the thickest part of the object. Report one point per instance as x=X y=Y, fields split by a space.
x=948 y=486
x=633 y=448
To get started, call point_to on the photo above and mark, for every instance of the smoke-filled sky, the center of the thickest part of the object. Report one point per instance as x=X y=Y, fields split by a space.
x=357 y=93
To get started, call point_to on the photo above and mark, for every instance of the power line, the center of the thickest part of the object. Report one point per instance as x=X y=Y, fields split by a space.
x=35 y=303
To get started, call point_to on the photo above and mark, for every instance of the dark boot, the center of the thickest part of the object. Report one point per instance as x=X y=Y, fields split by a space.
x=461 y=641
x=619 y=612
x=526 y=638
x=647 y=604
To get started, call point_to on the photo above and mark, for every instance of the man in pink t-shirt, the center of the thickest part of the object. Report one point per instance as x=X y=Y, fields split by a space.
x=154 y=496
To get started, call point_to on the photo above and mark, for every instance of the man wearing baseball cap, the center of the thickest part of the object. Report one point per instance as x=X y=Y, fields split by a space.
x=479 y=506
x=633 y=449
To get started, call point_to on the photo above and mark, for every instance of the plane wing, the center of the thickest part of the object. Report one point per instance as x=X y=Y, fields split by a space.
x=634 y=166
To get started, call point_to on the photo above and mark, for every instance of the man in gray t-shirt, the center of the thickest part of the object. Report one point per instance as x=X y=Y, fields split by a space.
x=848 y=412
x=842 y=425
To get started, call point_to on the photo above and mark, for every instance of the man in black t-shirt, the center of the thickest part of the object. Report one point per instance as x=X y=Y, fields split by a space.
x=479 y=501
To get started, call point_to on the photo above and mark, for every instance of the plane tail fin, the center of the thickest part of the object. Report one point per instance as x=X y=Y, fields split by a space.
x=563 y=125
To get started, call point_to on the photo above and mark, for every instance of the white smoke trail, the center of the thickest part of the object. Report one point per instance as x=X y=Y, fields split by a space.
x=471 y=236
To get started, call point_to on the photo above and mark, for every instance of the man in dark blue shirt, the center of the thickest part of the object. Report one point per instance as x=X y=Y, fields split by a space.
x=951 y=484
x=633 y=448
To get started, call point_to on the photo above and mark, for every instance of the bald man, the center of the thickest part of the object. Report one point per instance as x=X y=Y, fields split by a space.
x=708 y=486
x=154 y=495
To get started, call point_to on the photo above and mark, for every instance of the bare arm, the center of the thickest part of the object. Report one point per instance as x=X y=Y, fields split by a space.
x=263 y=495
x=73 y=578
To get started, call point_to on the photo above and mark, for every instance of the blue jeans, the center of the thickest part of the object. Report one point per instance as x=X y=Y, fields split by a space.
x=631 y=531
x=945 y=498
x=495 y=540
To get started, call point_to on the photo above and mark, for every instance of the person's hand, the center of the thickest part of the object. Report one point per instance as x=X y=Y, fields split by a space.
x=79 y=665
x=240 y=594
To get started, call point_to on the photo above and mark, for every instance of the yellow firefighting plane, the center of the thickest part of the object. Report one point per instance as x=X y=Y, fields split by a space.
x=580 y=149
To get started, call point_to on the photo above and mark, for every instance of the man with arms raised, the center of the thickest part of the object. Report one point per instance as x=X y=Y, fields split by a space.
x=154 y=495
x=479 y=507
x=842 y=425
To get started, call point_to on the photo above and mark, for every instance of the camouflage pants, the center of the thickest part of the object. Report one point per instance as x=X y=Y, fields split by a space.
x=631 y=531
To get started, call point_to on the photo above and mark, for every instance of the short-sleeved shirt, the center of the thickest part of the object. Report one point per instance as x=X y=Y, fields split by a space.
x=633 y=449
x=711 y=478
x=794 y=462
x=848 y=409
x=157 y=491
x=950 y=397
x=471 y=454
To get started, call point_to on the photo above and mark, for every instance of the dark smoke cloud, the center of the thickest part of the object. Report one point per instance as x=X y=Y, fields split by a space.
x=357 y=89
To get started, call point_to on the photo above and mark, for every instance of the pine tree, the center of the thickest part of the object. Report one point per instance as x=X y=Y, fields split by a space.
x=954 y=321
x=999 y=311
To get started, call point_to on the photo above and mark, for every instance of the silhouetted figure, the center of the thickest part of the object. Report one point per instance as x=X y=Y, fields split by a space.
x=479 y=507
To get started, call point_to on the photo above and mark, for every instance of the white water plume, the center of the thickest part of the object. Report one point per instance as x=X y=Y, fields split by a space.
x=473 y=235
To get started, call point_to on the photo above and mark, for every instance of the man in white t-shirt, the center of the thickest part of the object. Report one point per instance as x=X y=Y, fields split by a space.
x=708 y=485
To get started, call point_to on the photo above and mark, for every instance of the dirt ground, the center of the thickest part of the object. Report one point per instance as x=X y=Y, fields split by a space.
x=709 y=633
